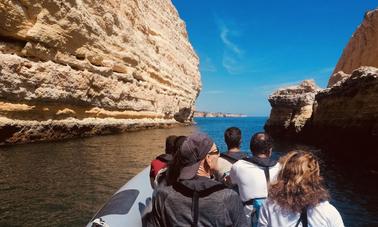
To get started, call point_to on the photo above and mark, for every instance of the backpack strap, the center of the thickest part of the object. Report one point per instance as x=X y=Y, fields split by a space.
x=195 y=195
x=303 y=218
x=267 y=175
x=229 y=158
x=195 y=208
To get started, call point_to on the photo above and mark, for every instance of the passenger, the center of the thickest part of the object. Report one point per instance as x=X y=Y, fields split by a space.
x=195 y=199
x=232 y=137
x=253 y=175
x=298 y=195
x=169 y=174
x=161 y=161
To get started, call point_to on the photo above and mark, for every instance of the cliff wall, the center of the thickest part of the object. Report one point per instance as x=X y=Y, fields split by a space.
x=361 y=50
x=346 y=113
x=78 y=68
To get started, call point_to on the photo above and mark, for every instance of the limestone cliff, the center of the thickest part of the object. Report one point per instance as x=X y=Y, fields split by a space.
x=72 y=68
x=361 y=50
x=344 y=114
x=347 y=110
x=291 y=108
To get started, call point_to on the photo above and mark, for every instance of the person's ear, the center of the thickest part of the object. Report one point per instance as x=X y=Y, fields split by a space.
x=207 y=161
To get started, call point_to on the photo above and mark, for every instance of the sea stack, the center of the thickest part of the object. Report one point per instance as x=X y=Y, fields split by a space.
x=345 y=113
x=73 y=68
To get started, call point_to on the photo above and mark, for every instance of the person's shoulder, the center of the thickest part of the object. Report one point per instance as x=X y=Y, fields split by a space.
x=328 y=208
x=223 y=160
x=331 y=213
x=229 y=193
x=242 y=163
x=164 y=191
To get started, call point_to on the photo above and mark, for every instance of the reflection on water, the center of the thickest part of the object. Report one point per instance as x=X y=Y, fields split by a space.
x=65 y=183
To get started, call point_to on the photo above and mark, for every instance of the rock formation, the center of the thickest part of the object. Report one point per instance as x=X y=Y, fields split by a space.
x=361 y=50
x=291 y=108
x=78 y=68
x=345 y=112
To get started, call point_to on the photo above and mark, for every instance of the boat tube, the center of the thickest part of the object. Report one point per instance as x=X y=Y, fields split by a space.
x=126 y=206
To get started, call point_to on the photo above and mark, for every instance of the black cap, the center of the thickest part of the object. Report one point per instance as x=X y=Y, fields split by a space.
x=192 y=152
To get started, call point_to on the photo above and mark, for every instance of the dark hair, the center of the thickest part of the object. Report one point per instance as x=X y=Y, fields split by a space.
x=174 y=167
x=170 y=144
x=261 y=143
x=178 y=142
x=232 y=137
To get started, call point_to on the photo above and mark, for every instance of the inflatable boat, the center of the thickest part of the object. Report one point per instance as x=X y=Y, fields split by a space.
x=126 y=206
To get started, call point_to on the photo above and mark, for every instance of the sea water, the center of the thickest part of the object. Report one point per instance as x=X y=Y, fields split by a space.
x=64 y=183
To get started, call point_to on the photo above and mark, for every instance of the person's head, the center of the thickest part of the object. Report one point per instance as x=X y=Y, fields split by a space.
x=170 y=144
x=232 y=137
x=174 y=167
x=299 y=183
x=261 y=144
x=198 y=155
x=178 y=142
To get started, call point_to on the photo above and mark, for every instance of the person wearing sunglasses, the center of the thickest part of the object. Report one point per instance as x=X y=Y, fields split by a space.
x=195 y=199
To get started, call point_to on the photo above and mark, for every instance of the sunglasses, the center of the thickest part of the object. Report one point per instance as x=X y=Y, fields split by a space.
x=214 y=152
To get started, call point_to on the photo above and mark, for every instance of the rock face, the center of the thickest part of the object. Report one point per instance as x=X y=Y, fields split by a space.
x=346 y=113
x=361 y=50
x=91 y=64
x=340 y=115
x=291 y=108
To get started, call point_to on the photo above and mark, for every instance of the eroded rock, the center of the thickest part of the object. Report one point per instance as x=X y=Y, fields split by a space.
x=291 y=108
x=130 y=59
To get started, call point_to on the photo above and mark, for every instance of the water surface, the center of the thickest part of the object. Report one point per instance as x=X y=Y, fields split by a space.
x=65 y=183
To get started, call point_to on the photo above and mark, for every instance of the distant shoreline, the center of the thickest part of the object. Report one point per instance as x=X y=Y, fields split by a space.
x=217 y=114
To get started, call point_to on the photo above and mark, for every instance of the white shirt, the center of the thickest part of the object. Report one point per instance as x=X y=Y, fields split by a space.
x=324 y=214
x=250 y=179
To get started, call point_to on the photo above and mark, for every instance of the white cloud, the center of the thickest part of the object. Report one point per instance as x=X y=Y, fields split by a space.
x=231 y=64
x=224 y=35
x=233 y=54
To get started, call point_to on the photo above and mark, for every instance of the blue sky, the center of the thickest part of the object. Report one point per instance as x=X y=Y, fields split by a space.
x=248 y=48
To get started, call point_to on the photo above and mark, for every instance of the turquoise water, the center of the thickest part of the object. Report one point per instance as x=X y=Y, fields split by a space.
x=64 y=183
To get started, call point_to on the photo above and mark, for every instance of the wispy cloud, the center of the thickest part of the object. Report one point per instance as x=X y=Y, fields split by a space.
x=232 y=65
x=232 y=53
x=224 y=35
x=208 y=65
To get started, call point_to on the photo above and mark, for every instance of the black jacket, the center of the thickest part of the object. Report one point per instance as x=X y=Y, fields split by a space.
x=217 y=205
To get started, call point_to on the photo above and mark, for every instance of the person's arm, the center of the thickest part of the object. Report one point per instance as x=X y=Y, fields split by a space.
x=263 y=216
x=236 y=210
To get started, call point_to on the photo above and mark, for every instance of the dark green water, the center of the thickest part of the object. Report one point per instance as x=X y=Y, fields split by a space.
x=65 y=183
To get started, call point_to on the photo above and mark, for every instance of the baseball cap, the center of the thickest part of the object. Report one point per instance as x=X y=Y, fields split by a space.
x=192 y=152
